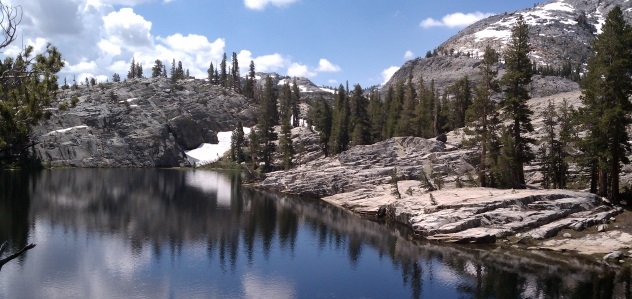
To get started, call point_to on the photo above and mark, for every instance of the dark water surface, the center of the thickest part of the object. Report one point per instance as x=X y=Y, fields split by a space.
x=146 y=233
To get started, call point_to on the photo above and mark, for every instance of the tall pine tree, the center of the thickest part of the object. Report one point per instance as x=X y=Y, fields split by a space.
x=481 y=111
x=606 y=91
x=515 y=83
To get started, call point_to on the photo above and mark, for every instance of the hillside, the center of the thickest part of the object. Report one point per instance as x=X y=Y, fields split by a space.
x=560 y=31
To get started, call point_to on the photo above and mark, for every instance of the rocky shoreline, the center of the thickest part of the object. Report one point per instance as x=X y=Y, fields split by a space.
x=360 y=180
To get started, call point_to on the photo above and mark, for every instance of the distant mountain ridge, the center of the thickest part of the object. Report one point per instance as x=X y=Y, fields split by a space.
x=560 y=31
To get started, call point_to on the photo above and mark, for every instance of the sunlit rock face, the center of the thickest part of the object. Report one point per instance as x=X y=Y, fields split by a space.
x=138 y=123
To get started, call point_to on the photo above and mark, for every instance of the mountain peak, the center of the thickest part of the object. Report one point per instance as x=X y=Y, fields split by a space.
x=560 y=30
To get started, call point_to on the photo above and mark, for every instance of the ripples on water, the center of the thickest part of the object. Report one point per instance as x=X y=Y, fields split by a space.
x=147 y=233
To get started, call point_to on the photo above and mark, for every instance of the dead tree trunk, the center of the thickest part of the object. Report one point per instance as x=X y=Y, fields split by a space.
x=5 y=260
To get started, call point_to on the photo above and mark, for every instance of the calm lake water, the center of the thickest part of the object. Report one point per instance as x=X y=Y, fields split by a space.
x=147 y=233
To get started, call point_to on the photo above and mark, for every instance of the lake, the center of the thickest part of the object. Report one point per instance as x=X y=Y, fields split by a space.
x=163 y=233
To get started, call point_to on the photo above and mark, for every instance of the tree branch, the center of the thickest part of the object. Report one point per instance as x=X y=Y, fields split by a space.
x=13 y=256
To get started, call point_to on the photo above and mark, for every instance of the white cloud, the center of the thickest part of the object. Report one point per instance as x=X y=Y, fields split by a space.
x=325 y=66
x=457 y=19
x=97 y=39
x=388 y=73
x=409 y=55
x=126 y=28
x=299 y=70
x=265 y=63
x=261 y=4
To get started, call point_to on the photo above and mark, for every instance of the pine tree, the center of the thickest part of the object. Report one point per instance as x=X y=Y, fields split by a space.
x=174 y=75
x=235 y=74
x=164 y=71
x=156 y=70
x=236 y=143
x=116 y=77
x=210 y=72
x=552 y=152
x=394 y=109
x=339 y=140
x=482 y=109
x=29 y=83
x=407 y=124
x=606 y=90
x=424 y=111
x=320 y=115
x=268 y=118
x=295 y=103
x=461 y=100
x=286 y=149
x=359 y=118
x=396 y=96
x=139 y=70
x=179 y=71
x=376 y=116
x=223 y=76
x=515 y=83
x=132 y=70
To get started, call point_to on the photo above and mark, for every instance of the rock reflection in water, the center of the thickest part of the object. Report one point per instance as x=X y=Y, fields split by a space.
x=184 y=233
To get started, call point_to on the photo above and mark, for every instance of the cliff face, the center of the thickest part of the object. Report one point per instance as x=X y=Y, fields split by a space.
x=139 y=123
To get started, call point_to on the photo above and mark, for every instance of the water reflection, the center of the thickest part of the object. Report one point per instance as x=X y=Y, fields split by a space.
x=175 y=233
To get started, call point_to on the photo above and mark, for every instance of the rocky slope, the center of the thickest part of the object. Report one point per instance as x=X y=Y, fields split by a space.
x=138 y=123
x=560 y=31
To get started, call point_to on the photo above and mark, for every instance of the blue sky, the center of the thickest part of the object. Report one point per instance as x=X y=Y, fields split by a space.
x=330 y=42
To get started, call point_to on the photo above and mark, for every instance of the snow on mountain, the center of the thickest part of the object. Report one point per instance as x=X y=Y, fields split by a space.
x=560 y=30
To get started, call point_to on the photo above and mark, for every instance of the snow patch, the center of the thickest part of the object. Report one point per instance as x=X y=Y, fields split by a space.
x=328 y=90
x=66 y=130
x=560 y=6
x=208 y=153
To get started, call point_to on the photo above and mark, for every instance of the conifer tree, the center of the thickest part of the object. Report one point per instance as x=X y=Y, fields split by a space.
x=376 y=116
x=606 y=91
x=164 y=71
x=359 y=118
x=394 y=109
x=461 y=100
x=339 y=140
x=552 y=152
x=223 y=75
x=481 y=111
x=29 y=83
x=424 y=110
x=407 y=124
x=210 y=72
x=156 y=70
x=179 y=71
x=139 y=70
x=515 y=83
x=294 y=106
x=132 y=70
x=235 y=74
x=320 y=115
x=236 y=143
x=116 y=77
x=396 y=99
x=268 y=118
x=174 y=76
x=286 y=149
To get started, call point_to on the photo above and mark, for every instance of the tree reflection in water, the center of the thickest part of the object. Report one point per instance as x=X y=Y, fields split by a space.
x=170 y=211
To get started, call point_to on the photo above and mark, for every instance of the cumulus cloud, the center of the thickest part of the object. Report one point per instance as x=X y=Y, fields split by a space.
x=299 y=70
x=325 y=66
x=409 y=55
x=457 y=19
x=388 y=73
x=126 y=28
x=261 y=4
x=264 y=63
